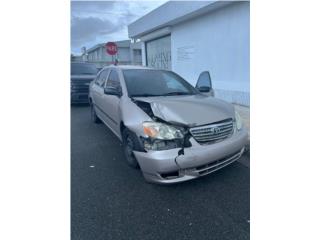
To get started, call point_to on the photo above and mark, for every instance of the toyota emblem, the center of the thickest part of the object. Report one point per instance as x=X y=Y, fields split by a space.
x=215 y=130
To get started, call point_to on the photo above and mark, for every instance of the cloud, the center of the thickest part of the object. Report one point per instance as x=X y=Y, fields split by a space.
x=88 y=29
x=95 y=22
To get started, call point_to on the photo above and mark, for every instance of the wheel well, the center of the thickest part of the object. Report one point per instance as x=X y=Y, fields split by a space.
x=122 y=127
x=138 y=144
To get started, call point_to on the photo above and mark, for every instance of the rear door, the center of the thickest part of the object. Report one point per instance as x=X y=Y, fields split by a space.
x=110 y=103
x=93 y=88
x=98 y=92
x=204 y=84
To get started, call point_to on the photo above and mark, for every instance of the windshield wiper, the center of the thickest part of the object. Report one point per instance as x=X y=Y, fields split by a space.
x=86 y=73
x=160 y=95
x=176 y=93
x=145 y=95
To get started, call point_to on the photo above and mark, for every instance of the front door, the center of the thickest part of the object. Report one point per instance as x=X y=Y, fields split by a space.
x=111 y=103
x=97 y=93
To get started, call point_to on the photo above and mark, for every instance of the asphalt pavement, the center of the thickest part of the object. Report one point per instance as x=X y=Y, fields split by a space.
x=110 y=200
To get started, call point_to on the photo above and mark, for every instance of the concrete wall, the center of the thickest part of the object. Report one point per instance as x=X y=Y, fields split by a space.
x=217 y=42
x=171 y=13
x=99 y=54
x=125 y=55
x=101 y=58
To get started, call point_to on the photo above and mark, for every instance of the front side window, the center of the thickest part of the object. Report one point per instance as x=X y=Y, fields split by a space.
x=96 y=81
x=113 y=80
x=102 y=77
x=146 y=82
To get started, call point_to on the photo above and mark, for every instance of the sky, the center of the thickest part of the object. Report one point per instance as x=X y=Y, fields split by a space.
x=94 y=22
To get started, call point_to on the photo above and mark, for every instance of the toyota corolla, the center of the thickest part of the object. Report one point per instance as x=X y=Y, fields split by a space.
x=171 y=130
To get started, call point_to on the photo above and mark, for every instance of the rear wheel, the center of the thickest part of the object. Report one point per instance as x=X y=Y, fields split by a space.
x=129 y=145
x=94 y=117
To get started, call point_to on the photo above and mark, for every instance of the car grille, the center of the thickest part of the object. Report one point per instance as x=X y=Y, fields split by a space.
x=80 y=86
x=214 y=132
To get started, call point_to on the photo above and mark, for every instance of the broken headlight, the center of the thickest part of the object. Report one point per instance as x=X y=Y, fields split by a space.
x=238 y=120
x=162 y=131
x=159 y=145
x=160 y=136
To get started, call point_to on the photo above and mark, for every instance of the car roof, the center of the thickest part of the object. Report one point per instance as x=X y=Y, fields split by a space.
x=84 y=63
x=123 y=67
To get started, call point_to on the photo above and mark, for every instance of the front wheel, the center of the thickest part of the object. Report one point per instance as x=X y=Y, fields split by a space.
x=94 y=117
x=129 y=144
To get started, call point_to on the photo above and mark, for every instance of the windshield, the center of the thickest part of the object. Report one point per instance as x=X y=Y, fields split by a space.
x=146 y=82
x=82 y=68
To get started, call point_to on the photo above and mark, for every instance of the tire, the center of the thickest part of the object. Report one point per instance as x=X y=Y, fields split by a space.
x=129 y=144
x=94 y=117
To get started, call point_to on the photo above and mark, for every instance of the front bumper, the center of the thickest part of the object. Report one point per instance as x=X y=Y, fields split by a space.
x=198 y=160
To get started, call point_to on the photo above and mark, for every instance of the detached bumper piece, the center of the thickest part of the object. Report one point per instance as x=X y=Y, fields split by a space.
x=191 y=173
x=214 y=166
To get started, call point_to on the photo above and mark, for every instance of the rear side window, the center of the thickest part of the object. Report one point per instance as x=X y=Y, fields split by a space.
x=113 y=80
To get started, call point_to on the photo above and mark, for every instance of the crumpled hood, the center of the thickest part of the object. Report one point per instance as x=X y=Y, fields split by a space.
x=190 y=110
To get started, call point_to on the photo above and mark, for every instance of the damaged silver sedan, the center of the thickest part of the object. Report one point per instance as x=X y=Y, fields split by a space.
x=171 y=130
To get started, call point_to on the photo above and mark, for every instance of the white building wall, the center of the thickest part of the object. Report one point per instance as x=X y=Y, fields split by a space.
x=124 y=54
x=100 y=55
x=105 y=57
x=217 y=42
x=143 y=53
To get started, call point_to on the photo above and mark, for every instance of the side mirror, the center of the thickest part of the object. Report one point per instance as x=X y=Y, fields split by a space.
x=204 y=84
x=204 y=89
x=112 y=91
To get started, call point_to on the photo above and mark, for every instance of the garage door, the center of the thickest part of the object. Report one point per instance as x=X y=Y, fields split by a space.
x=159 y=53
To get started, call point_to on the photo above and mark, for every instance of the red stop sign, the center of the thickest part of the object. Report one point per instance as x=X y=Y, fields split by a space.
x=111 y=48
